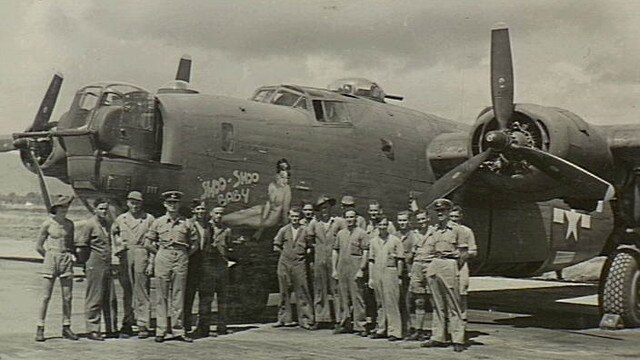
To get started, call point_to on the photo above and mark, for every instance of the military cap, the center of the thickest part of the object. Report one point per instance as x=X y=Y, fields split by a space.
x=196 y=203
x=324 y=199
x=442 y=204
x=172 y=195
x=347 y=200
x=135 y=195
x=61 y=200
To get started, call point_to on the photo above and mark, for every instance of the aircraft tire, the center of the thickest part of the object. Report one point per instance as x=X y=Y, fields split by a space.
x=621 y=293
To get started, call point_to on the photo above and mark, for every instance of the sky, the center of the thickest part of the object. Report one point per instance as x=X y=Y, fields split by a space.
x=580 y=55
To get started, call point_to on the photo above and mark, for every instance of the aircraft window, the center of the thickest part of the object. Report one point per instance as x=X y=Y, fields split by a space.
x=228 y=138
x=335 y=112
x=89 y=101
x=263 y=95
x=301 y=103
x=317 y=107
x=111 y=99
x=285 y=98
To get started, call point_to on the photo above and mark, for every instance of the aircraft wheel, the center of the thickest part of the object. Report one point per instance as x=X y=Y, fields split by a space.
x=621 y=293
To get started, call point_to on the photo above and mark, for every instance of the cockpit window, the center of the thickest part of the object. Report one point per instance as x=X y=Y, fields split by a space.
x=263 y=95
x=335 y=112
x=89 y=100
x=285 y=98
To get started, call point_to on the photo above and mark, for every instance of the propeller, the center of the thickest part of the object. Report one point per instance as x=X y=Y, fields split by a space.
x=184 y=69
x=499 y=141
x=47 y=104
x=454 y=178
x=501 y=76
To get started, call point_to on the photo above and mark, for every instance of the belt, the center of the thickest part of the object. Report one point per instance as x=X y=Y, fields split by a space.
x=421 y=261
x=173 y=247
x=58 y=250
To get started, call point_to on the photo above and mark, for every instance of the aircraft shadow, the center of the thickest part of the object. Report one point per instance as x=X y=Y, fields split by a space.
x=538 y=307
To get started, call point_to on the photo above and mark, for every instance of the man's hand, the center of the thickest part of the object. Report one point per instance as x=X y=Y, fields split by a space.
x=370 y=283
x=359 y=274
x=276 y=248
x=334 y=274
x=149 y=270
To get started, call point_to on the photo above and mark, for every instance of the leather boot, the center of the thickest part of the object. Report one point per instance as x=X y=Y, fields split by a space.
x=68 y=334
x=40 y=334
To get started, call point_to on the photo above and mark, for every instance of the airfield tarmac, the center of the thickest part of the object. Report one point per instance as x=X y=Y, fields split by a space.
x=509 y=319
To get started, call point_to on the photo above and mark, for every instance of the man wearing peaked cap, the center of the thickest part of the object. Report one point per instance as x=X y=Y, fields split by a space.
x=170 y=240
x=442 y=204
x=447 y=246
x=127 y=234
x=172 y=196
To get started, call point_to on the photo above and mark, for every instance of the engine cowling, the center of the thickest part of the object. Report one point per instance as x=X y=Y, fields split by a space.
x=552 y=130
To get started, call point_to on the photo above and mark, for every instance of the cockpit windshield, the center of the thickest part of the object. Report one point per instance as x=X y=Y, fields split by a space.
x=95 y=96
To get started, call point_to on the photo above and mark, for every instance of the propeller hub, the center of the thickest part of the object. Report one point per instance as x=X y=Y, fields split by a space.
x=497 y=140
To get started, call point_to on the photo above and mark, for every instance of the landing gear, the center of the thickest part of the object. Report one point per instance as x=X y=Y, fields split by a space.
x=620 y=299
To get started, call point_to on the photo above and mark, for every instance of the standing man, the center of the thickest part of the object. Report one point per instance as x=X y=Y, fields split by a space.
x=217 y=258
x=418 y=281
x=170 y=239
x=446 y=245
x=371 y=227
x=385 y=267
x=197 y=277
x=291 y=243
x=350 y=254
x=349 y=203
x=456 y=216
x=94 y=248
x=128 y=233
x=214 y=275
x=325 y=287
x=313 y=231
x=375 y=214
x=408 y=237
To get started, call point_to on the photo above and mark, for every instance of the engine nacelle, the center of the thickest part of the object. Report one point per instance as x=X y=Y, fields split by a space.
x=553 y=130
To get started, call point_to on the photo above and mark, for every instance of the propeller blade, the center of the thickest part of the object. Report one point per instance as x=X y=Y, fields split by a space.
x=184 y=69
x=501 y=76
x=41 y=181
x=6 y=144
x=454 y=178
x=591 y=186
x=636 y=199
x=47 y=104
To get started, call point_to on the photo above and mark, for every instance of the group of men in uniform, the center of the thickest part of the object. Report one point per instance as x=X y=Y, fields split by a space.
x=349 y=273
x=373 y=277
x=186 y=256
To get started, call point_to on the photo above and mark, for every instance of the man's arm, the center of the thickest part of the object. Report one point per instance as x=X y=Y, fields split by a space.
x=84 y=242
x=42 y=236
x=278 y=240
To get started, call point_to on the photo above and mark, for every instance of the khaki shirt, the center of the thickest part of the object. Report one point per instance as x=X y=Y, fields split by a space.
x=165 y=232
x=408 y=240
x=470 y=239
x=419 y=250
x=129 y=230
x=293 y=250
x=97 y=237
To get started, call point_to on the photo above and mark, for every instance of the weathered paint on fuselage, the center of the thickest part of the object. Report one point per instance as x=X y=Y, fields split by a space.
x=224 y=151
